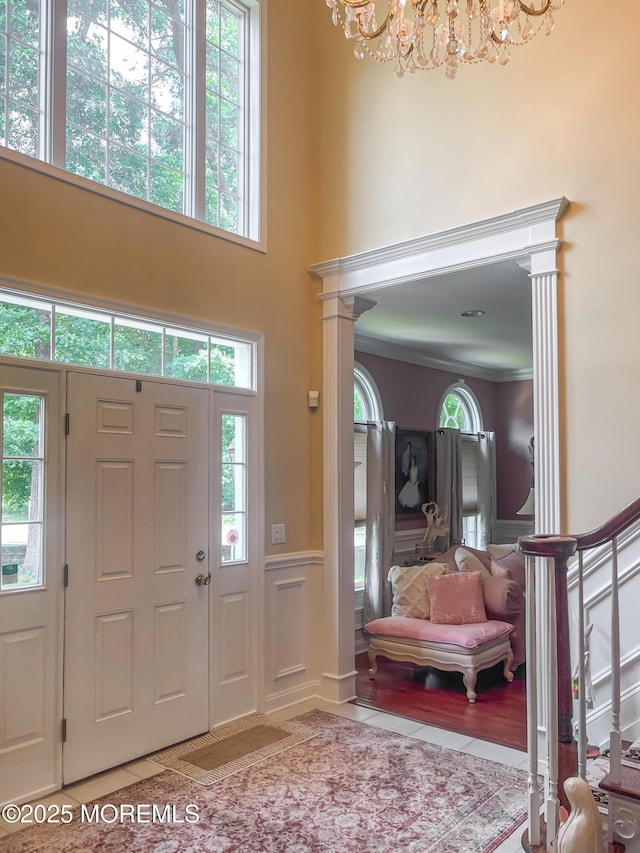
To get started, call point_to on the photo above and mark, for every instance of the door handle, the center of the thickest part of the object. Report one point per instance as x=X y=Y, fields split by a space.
x=203 y=580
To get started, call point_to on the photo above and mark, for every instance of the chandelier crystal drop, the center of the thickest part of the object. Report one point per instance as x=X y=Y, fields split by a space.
x=419 y=35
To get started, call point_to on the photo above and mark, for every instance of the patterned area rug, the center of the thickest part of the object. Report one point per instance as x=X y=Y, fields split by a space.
x=216 y=755
x=352 y=788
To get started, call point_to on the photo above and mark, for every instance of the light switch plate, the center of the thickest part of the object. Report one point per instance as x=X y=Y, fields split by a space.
x=278 y=534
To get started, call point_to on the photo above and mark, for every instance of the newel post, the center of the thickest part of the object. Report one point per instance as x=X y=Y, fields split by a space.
x=558 y=549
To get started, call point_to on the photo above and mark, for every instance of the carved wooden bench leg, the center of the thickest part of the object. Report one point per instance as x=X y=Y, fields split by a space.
x=470 y=676
x=373 y=665
x=506 y=670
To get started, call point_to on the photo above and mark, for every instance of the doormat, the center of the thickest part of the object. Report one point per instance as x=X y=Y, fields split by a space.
x=230 y=749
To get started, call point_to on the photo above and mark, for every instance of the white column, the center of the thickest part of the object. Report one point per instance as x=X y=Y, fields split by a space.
x=546 y=412
x=338 y=677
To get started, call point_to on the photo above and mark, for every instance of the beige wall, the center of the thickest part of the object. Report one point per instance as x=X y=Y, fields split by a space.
x=404 y=158
x=53 y=233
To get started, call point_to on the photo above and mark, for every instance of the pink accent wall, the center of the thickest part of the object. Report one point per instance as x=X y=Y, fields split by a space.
x=411 y=395
x=514 y=471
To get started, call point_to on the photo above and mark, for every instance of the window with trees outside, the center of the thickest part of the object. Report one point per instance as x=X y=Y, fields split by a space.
x=47 y=330
x=367 y=406
x=23 y=466
x=155 y=98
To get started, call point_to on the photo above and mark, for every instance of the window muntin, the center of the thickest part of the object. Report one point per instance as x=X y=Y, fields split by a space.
x=47 y=330
x=160 y=102
x=234 y=488
x=22 y=486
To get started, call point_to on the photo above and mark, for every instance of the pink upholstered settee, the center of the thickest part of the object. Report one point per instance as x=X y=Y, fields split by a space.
x=493 y=632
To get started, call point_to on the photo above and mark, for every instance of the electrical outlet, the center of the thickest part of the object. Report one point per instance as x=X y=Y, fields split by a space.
x=278 y=534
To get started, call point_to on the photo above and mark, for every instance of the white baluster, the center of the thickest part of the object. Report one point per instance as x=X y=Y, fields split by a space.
x=615 y=742
x=532 y=705
x=582 y=681
x=552 y=804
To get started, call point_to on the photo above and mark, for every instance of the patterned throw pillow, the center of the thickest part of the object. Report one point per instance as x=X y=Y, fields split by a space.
x=409 y=585
x=466 y=561
x=457 y=599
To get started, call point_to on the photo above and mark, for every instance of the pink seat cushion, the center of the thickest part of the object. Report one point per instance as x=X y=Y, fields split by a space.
x=469 y=636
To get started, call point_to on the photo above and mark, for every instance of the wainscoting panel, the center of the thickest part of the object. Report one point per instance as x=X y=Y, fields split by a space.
x=293 y=628
x=597 y=601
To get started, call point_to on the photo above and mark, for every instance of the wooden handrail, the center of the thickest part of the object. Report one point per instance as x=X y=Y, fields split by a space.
x=611 y=528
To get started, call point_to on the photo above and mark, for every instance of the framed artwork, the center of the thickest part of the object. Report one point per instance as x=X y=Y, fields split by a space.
x=412 y=472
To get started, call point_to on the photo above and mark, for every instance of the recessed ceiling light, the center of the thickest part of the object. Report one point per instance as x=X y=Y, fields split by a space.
x=472 y=313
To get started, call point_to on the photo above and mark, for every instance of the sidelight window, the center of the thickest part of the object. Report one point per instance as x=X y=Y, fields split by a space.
x=22 y=513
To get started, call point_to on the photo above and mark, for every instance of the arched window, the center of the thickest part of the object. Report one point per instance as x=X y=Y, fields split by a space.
x=367 y=406
x=459 y=409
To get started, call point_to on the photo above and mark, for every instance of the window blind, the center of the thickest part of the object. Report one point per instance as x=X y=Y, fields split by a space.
x=360 y=472
x=469 y=473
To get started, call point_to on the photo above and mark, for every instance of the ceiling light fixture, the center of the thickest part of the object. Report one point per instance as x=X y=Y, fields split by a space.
x=441 y=32
x=475 y=313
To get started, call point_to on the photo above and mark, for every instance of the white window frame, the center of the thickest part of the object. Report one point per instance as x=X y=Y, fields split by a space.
x=251 y=180
x=372 y=404
x=251 y=342
x=469 y=402
x=368 y=390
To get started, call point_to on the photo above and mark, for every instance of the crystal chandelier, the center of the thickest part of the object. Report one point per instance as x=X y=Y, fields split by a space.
x=426 y=34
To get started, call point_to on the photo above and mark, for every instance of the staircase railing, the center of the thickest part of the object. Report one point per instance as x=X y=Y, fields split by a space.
x=547 y=561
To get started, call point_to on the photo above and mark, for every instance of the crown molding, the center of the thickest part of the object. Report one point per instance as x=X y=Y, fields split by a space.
x=524 y=218
x=397 y=352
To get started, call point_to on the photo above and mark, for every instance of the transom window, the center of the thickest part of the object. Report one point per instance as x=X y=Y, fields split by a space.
x=47 y=330
x=154 y=98
x=459 y=409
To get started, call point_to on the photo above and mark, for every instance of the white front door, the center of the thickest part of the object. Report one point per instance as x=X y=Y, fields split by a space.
x=136 y=622
x=30 y=583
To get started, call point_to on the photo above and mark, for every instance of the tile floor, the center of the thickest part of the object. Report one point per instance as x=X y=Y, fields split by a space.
x=114 y=780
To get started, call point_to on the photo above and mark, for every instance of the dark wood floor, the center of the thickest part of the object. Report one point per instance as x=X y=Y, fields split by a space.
x=439 y=699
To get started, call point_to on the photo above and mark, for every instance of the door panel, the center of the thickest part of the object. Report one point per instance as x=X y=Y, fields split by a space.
x=136 y=659
x=30 y=584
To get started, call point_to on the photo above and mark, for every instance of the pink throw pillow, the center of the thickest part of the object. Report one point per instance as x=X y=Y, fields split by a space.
x=456 y=599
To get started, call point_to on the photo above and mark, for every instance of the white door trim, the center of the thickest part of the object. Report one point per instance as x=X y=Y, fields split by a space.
x=528 y=236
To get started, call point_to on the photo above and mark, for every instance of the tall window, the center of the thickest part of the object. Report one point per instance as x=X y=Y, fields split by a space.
x=367 y=406
x=459 y=409
x=234 y=488
x=154 y=98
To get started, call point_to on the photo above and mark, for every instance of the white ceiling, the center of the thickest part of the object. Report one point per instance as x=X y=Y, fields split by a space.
x=420 y=322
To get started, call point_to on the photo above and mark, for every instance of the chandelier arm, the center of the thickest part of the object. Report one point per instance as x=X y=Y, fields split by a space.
x=536 y=13
x=373 y=35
